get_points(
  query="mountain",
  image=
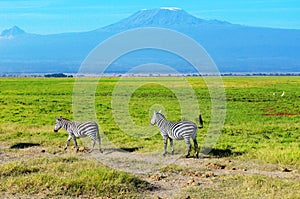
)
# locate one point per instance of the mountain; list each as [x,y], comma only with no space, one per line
[163,17]
[233,47]
[173,18]
[14,31]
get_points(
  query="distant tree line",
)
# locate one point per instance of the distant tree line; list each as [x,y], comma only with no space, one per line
[58,75]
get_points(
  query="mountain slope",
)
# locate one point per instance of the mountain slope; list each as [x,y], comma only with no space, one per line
[15,30]
[234,48]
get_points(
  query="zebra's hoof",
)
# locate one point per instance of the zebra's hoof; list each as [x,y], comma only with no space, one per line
[187,156]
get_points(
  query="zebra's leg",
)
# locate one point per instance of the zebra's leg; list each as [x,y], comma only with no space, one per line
[196,147]
[75,143]
[165,145]
[93,145]
[99,145]
[172,146]
[67,142]
[188,143]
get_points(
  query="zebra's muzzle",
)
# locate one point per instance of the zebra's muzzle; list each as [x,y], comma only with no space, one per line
[55,130]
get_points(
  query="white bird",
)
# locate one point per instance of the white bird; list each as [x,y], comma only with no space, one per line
[282,94]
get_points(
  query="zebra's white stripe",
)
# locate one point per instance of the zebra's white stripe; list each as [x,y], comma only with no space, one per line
[77,129]
[184,130]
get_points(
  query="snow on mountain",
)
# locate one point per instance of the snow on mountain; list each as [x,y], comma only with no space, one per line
[170,8]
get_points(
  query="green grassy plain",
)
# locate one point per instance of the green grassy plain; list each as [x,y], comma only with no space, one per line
[261,125]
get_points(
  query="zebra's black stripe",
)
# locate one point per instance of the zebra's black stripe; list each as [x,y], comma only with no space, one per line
[183,130]
[79,129]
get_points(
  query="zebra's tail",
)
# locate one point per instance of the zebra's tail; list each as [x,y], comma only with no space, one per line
[200,122]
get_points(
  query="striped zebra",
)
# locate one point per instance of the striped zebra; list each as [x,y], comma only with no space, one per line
[78,129]
[183,130]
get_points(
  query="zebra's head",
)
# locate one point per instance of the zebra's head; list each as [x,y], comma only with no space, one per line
[154,117]
[58,124]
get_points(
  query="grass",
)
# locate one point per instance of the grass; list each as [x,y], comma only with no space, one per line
[255,118]
[260,125]
[67,176]
[244,186]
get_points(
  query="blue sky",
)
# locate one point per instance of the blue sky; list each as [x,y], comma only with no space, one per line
[57,16]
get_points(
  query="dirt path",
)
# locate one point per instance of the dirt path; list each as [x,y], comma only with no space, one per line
[202,172]
[170,174]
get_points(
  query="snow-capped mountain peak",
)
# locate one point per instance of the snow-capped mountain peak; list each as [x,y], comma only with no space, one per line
[159,17]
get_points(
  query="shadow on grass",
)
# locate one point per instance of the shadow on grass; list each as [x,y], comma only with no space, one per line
[23,145]
[130,150]
[220,153]
[122,150]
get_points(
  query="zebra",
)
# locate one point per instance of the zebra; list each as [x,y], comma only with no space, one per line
[78,129]
[183,130]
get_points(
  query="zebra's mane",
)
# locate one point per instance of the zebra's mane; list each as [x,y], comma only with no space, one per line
[62,118]
[161,115]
